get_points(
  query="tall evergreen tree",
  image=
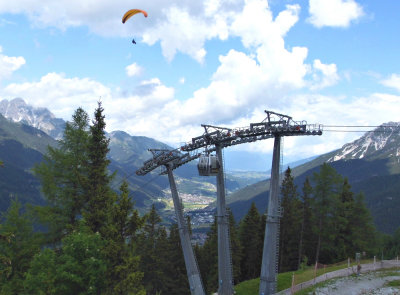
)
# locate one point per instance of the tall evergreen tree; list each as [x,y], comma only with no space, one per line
[123,273]
[207,257]
[250,239]
[148,251]
[325,203]
[306,242]
[290,224]
[176,272]
[18,245]
[99,194]
[236,248]
[63,175]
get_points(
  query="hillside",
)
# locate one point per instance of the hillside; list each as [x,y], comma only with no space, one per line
[25,133]
[371,163]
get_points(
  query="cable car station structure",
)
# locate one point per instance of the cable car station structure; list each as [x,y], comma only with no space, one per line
[214,139]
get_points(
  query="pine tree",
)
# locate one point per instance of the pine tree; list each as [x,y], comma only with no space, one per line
[325,203]
[207,257]
[99,195]
[290,224]
[236,248]
[251,242]
[123,273]
[364,234]
[307,237]
[176,270]
[18,245]
[63,174]
[147,249]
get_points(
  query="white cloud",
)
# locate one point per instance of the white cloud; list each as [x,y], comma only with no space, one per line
[393,81]
[59,94]
[324,75]
[334,13]
[133,70]
[9,64]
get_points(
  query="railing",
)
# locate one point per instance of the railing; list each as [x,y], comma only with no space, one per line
[341,273]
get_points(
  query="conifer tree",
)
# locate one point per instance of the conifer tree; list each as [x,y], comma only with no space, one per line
[236,248]
[325,203]
[147,249]
[290,224]
[18,245]
[207,257]
[123,273]
[63,175]
[99,195]
[251,243]
[176,272]
[306,242]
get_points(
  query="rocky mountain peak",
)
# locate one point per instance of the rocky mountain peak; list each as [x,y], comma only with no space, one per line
[382,142]
[17,110]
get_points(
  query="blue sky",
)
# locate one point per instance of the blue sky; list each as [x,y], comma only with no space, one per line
[222,62]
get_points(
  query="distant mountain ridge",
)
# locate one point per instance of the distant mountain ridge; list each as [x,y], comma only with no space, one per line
[372,165]
[17,110]
[19,127]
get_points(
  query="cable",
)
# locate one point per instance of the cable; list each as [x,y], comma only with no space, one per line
[362,131]
[357,126]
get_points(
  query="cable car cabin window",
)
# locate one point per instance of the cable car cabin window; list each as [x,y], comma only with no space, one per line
[208,165]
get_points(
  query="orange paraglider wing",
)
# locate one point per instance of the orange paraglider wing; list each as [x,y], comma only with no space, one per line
[132,12]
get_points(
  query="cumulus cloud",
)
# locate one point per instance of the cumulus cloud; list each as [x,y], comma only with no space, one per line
[9,64]
[324,75]
[133,70]
[60,94]
[393,81]
[334,13]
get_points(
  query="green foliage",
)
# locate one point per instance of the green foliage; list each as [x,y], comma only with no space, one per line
[123,275]
[290,224]
[18,244]
[99,194]
[207,257]
[325,202]
[77,268]
[63,174]
[252,244]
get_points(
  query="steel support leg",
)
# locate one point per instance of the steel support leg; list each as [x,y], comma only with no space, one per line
[224,249]
[196,286]
[270,251]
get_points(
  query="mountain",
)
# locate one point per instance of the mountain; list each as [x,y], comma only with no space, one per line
[41,118]
[21,147]
[371,164]
[25,130]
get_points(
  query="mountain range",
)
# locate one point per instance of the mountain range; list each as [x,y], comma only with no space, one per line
[371,164]
[26,131]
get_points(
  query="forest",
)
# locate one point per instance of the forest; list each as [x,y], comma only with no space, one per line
[90,239]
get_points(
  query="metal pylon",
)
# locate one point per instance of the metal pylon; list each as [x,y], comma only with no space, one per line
[196,286]
[268,274]
[225,286]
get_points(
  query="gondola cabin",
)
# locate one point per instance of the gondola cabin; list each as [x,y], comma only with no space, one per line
[208,165]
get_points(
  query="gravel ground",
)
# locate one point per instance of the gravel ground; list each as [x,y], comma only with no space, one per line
[367,283]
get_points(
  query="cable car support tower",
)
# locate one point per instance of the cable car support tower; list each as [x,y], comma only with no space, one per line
[170,160]
[214,139]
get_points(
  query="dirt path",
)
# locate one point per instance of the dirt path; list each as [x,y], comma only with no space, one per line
[369,282]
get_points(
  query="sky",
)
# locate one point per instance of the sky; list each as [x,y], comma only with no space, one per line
[217,62]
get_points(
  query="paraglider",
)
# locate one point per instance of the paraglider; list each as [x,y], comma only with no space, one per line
[131,13]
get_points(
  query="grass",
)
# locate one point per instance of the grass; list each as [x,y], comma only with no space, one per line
[285,279]
[395,283]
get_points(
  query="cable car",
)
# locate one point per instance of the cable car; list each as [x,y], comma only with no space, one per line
[208,165]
